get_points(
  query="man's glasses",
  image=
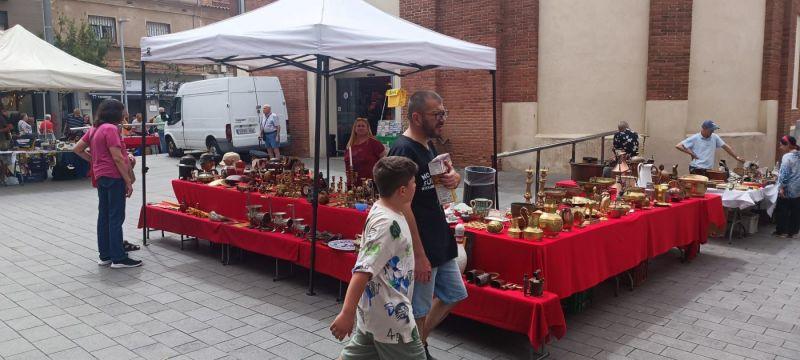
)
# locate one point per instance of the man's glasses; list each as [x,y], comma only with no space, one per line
[440,115]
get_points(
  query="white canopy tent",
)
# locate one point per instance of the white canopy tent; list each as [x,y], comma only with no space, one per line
[30,63]
[326,37]
[349,32]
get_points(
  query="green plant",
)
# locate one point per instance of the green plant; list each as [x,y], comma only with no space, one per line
[79,40]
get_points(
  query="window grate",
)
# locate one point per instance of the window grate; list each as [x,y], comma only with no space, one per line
[155,29]
[104,27]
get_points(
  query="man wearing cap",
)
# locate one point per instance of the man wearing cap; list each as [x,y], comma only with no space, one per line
[702,146]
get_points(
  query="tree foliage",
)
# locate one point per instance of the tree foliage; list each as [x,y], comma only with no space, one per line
[79,40]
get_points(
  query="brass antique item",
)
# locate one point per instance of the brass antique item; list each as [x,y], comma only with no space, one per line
[494,227]
[566,218]
[578,218]
[661,192]
[528,182]
[695,185]
[636,197]
[542,182]
[550,222]
[532,232]
[514,231]
[252,210]
[675,193]
[205,177]
[523,211]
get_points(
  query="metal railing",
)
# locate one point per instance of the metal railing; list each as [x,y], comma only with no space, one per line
[572,142]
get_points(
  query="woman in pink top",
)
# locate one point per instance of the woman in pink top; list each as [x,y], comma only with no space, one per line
[102,147]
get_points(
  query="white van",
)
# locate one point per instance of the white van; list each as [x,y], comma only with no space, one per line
[223,114]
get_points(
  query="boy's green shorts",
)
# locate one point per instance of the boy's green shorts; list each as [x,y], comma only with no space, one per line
[363,346]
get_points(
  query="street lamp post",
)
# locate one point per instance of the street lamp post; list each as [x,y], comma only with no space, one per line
[122,55]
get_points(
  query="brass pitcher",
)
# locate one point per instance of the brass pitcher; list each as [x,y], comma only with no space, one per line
[532,232]
[550,222]
[566,218]
[514,230]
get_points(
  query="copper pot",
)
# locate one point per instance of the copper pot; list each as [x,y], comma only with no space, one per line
[585,171]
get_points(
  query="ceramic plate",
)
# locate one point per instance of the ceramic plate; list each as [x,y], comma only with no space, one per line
[494,218]
[343,245]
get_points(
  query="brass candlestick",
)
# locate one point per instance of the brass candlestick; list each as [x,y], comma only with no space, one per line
[542,182]
[528,183]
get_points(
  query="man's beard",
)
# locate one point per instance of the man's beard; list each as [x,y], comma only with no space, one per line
[430,131]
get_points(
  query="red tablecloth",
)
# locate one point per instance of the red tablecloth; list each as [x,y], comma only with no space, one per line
[537,317]
[570,263]
[567,184]
[134,142]
[230,202]
[578,260]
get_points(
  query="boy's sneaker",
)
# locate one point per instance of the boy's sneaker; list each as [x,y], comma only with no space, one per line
[102,262]
[126,263]
[427,353]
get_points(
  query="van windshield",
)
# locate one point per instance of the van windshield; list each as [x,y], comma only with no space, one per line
[175,112]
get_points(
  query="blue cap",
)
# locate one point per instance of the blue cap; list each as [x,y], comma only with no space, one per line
[708,124]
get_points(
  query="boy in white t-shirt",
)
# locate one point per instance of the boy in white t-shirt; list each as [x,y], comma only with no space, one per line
[380,291]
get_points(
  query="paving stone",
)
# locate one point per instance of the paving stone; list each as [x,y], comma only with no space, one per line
[174,338]
[291,351]
[75,353]
[673,343]
[134,340]
[252,353]
[29,355]
[14,347]
[54,344]
[678,354]
[716,354]
[95,342]
[211,336]
[115,352]
[209,353]
[155,351]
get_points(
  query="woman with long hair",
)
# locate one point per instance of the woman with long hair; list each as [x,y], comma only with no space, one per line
[787,210]
[363,150]
[102,147]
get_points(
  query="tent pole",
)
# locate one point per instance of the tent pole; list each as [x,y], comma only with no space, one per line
[322,63]
[494,137]
[144,158]
[327,124]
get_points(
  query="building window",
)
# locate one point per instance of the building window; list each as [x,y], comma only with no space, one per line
[155,29]
[104,27]
[3,20]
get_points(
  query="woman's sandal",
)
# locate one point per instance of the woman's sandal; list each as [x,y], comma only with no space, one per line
[129,246]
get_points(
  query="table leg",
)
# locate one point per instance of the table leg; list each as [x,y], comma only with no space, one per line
[278,276]
[539,354]
[340,297]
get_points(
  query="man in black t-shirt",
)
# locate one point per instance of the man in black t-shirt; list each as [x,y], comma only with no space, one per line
[435,250]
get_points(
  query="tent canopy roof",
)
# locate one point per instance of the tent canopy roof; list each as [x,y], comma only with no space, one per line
[351,33]
[30,63]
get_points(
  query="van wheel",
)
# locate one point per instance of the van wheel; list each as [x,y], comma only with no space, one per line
[172,149]
[211,143]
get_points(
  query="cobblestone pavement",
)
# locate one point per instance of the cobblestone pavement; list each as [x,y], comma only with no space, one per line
[735,301]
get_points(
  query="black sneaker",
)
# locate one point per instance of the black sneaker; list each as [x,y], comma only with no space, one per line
[427,353]
[126,263]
